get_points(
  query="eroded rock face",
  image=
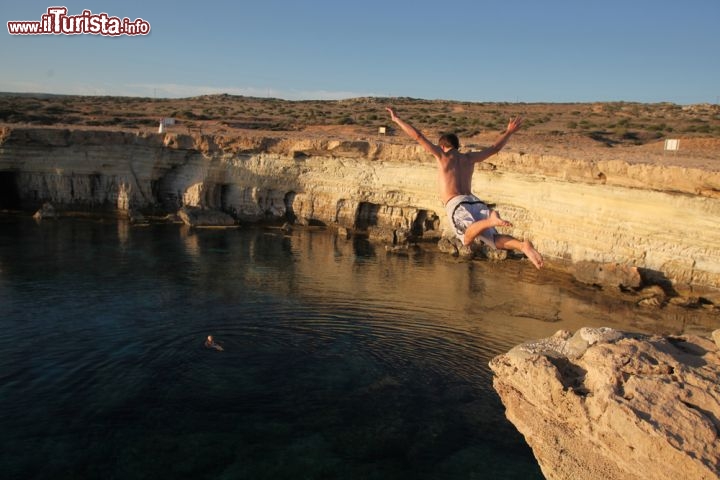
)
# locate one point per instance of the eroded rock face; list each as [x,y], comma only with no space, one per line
[384,188]
[601,404]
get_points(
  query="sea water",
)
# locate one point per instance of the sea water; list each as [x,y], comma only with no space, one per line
[339,360]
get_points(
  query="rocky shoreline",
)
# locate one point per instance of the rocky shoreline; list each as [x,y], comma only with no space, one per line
[656,218]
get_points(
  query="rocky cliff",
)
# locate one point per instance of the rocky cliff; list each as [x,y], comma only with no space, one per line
[661,219]
[601,404]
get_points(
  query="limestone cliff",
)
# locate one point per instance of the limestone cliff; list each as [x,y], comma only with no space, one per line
[601,404]
[659,218]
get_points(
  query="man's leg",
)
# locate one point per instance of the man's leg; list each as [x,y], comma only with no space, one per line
[506,242]
[476,228]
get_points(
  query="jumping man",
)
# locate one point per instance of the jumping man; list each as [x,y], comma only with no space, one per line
[468,215]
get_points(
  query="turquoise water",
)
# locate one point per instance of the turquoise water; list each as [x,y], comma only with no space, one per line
[339,361]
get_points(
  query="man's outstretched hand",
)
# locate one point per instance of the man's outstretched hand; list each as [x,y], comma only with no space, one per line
[514,124]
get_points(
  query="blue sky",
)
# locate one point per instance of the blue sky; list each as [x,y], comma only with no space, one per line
[514,51]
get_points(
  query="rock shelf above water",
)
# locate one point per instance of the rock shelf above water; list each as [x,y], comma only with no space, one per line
[602,404]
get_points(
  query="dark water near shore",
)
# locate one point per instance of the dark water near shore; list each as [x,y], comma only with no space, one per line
[340,361]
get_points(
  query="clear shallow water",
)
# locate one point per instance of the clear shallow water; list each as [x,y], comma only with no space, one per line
[340,361]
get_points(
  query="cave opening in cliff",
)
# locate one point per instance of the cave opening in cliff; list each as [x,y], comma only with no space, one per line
[9,193]
[425,221]
[288,200]
[366,215]
[221,197]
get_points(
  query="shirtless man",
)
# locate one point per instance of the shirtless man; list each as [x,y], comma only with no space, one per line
[470,217]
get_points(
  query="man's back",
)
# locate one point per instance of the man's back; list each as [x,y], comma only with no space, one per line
[455,172]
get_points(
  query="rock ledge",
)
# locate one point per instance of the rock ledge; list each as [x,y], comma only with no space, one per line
[612,405]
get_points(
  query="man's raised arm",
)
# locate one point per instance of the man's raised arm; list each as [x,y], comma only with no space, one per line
[513,126]
[415,134]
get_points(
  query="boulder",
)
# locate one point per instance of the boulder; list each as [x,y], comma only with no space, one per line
[602,404]
[202,217]
[448,245]
[607,274]
[483,251]
[381,234]
[652,296]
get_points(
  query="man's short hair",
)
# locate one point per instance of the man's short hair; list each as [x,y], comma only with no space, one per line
[449,140]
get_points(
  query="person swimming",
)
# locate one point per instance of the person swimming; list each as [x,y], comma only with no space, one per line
[210,343]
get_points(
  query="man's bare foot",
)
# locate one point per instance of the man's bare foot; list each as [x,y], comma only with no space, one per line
[533,255]
[497,221]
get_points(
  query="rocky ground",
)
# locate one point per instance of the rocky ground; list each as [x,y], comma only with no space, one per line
[610,405]
[626,131]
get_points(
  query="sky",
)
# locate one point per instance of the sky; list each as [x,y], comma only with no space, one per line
[479,51]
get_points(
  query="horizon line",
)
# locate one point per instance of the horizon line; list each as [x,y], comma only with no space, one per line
[338,99]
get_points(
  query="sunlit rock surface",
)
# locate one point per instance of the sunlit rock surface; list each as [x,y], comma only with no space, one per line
[601,404]
[202,217]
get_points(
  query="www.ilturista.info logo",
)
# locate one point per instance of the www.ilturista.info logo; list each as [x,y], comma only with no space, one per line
[57,22]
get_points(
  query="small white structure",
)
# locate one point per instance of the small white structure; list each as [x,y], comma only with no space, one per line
[382,130]
[672,144]
[165,122]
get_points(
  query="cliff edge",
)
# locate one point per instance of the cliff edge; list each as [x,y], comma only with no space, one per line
[656,215]
[602,404]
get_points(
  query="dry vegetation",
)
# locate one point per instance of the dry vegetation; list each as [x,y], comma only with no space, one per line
[547,126]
